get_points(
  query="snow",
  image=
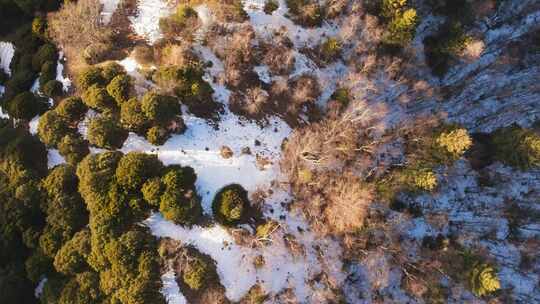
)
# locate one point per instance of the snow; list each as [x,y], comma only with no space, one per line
[33,125]
[54,158]
[146,23]
[108,9]
[199,147]
[66,82]
[264,25]
[39,289]
[170,289]
[235,265]
[7,51]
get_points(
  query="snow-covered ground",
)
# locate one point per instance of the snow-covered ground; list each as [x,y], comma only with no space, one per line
[7,51]
[146,23]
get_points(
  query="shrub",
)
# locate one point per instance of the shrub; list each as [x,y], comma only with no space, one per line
[111,70]
[135,168]
[448,42]
[182,23]
[92,75]
[71,258]
[401,28]
[517,147]
[73,148]
[230,205]
[342,95]
[26,106]
[132,117]
[177,177]
[483,280]
[159,108]
[95,173]
[46,52]
[181,207]
[52,89]
[61,179]
[104,132]
[37,265]
[97,98]
[3,77]
[21,80]
[119,88]
[152,190]
[72,109]
[157,135]
[270,6]
[330,49]
[198,273]
[422,179]
[453,141]
[48,72]
[39,27]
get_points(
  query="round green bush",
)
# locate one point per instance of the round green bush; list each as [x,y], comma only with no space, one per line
[48,72]
[52,128]
[73,148]
[198,273]
[104,132]
[97,98]
[159,108]
[26,105]
[230,205]
[20,81]
[135,168]
[119,88]
[53,88]
[111,70]
[270,6]
[181,207]
[71,108]
[46,52]
[178,177]
[89,77]
[61,179]
[152,190]
[157,135]
[516,146]
[131,116]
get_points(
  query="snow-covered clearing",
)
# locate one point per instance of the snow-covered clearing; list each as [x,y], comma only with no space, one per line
[235,264]
[146,23]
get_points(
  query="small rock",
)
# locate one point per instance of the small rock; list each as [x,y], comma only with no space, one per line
[226,152]
[257,143]
[246,150]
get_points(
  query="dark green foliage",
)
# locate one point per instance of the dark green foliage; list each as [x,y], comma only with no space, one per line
[14,286]
[52,128]
[95,173]
[135,168]
[71,258]
[26,106]
[92,75]
[61,179]
[97,98]
[132,117]
[20,81]
[179,202]
[39,27]
[81,289]
[157,135]
[342,95]
[230,205]
[199,271]
[177,177]
[71,109]
[111,70]
[47,73]
[73,148]
[38,265]
[104,132]
[3,77]
[52,89]
[441,48]
[270,6]
[119,88]
[160,108]
[152,190]
[45,53]
[517,147]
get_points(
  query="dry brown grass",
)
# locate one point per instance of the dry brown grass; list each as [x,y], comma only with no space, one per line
[174,54]
[77,28]
[250,103]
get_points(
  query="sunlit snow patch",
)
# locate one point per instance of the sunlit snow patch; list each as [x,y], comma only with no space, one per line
[200,147]
[7,51]
[146,23]
[170,289]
